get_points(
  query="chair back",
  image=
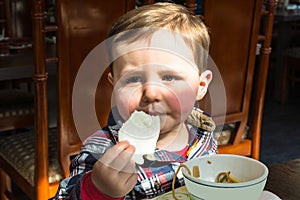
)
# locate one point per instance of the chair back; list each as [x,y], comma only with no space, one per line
[82,26]
[236,28]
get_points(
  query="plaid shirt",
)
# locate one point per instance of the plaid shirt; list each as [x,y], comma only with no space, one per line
[154,179]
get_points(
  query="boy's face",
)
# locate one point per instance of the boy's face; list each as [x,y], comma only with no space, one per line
[158,83]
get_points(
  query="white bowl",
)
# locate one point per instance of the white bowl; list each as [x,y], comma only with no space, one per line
[252,174]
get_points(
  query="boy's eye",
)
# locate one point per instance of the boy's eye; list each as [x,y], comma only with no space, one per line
[134,79]
[169,78]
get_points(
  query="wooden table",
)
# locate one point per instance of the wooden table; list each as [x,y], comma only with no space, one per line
[20,65]
[284,180]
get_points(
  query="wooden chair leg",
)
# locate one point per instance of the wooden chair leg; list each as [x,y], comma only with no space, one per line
[5,182]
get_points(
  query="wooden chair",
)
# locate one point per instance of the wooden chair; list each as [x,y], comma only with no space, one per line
[16,106]
[37,160]
[235,28]
[18,24]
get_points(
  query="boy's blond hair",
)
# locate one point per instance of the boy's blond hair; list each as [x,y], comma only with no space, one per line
[173,17]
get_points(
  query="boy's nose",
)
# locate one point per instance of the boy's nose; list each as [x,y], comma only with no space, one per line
[151,92]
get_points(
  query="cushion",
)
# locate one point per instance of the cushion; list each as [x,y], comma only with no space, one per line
[223,134]
[18,150]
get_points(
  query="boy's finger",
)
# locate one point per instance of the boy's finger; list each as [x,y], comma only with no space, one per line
[130,167]
[114,152]
[120,152]
[131,180]
[124,159]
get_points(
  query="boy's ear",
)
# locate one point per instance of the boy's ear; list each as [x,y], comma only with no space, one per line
[110,78]
[205,79]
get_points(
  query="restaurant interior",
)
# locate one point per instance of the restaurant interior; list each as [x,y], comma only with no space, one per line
[254,44]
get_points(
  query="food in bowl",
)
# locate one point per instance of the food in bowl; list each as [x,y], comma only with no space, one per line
[226,177]
[252,175]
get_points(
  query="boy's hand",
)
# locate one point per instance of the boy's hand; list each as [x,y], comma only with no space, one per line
[115,173]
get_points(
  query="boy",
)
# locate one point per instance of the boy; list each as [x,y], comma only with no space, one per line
[158,52]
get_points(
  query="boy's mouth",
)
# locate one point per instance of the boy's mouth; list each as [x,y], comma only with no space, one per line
[153,113]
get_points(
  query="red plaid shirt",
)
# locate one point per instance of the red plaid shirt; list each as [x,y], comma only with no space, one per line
[153,180]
